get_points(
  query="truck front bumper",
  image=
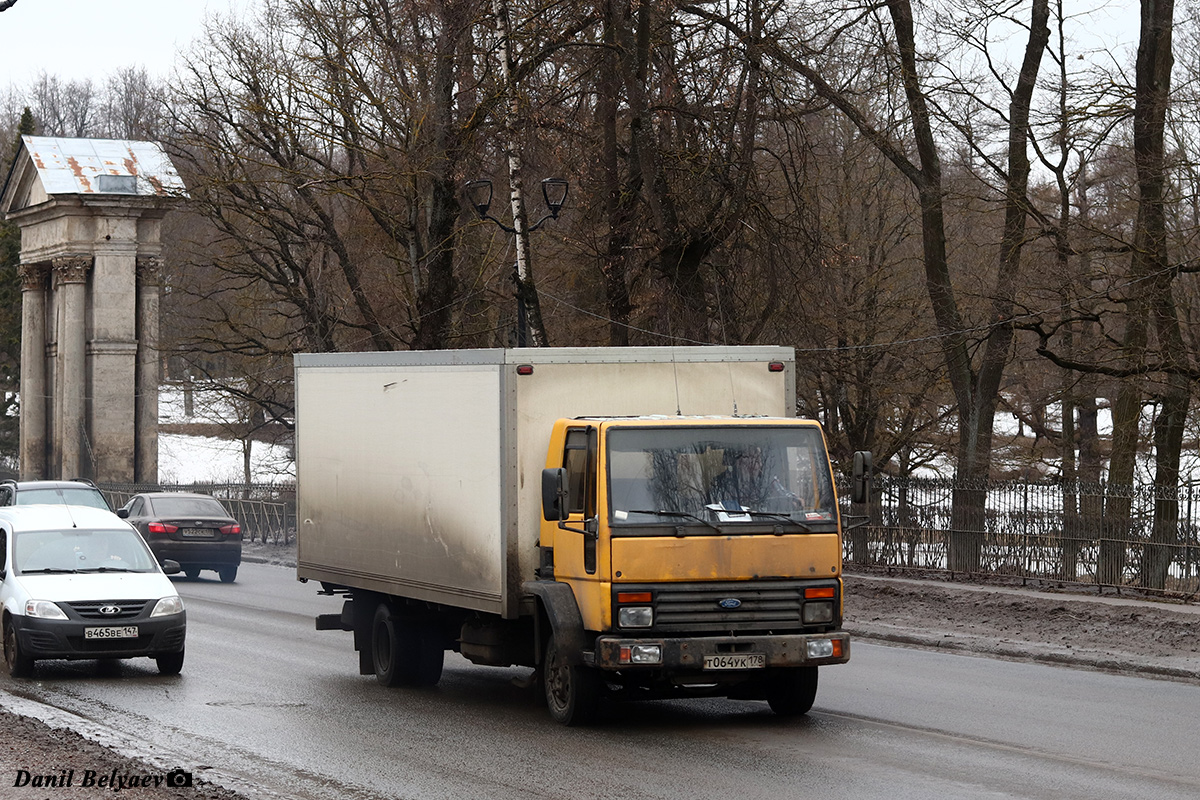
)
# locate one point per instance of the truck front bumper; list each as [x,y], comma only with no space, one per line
[720,653]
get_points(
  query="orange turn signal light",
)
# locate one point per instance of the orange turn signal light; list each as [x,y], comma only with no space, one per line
[837,648]
[633,597]
[820,591]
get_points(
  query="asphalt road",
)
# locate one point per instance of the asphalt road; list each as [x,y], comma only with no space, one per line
[271,707]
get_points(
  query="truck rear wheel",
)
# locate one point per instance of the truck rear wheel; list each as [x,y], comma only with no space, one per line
[404,652]
[791,691]
[572,691]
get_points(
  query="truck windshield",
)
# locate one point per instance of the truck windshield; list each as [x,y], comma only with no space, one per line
[719,475]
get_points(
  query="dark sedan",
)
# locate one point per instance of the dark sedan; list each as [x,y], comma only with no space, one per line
[193,529]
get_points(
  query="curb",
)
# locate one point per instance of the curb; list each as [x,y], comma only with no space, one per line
[1031,652]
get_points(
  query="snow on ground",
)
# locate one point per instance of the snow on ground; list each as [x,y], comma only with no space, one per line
[209,459]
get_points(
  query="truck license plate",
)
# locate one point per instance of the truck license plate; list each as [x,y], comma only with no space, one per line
[735,661]
[126,632]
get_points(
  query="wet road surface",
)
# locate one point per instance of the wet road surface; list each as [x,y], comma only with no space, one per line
[275,708]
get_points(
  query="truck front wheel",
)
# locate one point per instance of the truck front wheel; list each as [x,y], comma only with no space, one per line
[404,653]
[791,691]
[572,691]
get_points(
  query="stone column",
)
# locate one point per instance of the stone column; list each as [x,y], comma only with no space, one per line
[34,392]
[70,274]
[149,281]
[112,347]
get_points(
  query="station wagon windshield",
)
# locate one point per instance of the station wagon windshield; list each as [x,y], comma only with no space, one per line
[77,550]
[719,475]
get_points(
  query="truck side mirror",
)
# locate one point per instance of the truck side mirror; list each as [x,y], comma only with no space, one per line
[860,482]
[554,492]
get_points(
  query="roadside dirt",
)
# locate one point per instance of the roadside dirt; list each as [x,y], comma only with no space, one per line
[1113,633]
[1091,631]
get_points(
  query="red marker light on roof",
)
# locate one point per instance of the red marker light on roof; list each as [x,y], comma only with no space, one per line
[775,366]
[525,369]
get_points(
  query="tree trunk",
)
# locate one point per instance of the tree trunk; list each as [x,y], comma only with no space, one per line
[1150,281]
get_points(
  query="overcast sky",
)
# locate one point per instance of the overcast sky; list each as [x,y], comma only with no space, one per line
[77,39]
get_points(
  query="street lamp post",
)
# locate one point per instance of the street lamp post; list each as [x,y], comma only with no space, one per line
[554,193]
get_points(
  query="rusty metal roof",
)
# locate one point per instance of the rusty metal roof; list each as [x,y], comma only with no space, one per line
[102,166]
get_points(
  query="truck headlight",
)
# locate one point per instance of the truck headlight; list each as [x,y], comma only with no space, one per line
[817,612]
[641,654]
[635,617]
[820,648]
[167,606]
[43,609]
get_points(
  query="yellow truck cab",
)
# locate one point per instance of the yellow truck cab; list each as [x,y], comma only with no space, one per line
[704,555]
[630,522]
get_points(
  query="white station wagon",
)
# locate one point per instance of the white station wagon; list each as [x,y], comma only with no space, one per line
[78,582]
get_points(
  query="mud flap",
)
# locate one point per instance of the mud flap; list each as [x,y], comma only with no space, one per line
[566,623]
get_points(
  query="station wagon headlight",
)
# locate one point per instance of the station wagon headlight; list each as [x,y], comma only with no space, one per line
[43,609]
[167,606]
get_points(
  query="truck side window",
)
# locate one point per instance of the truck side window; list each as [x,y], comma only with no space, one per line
[575,462]
[579,460]
[3,549]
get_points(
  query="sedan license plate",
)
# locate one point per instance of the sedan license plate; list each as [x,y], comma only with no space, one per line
[735,661]
[126,632]
[196,533]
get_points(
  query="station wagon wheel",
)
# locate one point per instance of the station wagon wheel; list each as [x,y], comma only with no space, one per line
[791,691]
[192,572]
[169,664]
[228,574]
[19,664]
[572,691]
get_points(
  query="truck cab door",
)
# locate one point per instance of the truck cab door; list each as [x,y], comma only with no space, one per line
[575,537]
[579,462]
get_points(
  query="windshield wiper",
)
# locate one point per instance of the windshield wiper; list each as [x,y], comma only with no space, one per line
[107,569]
[48,571]
[685,514]
[779,515]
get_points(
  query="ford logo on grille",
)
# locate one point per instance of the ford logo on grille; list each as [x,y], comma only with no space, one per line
[730,602]
[110,610]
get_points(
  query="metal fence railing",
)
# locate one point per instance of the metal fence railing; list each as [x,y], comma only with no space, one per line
[267,512]
[1091,534]
[1047,531]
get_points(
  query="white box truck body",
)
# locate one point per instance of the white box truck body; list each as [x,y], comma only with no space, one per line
[427,495]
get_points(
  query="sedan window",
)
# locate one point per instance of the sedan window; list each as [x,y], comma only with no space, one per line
[187,507]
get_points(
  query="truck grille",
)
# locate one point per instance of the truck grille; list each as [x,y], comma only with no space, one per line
[749,605]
